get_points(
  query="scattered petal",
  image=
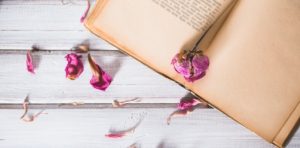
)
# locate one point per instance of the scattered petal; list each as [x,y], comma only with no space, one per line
[74,66]
[29,62]
[177,113]
[120,134]
[25,106]
[185,106]
[26,116]
[82,48]
[100,79]
[188,103]
[31,118]
[191,65]
[85,12]
[117,103]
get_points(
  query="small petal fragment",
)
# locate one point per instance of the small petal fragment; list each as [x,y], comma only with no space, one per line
[85,12]
[29,62]
[186,104]
[100,79]
[74,66]
[117,103]
[26,117]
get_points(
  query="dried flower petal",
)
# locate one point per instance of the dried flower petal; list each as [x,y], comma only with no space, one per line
[85,12]
[82,48]
[25,106]
[100,79]
[28,117]
[117,103]
[176,114]
[120,134]
[29,62]
[187,103]
[74,67]
[185,106]
[191,66]
[31,118]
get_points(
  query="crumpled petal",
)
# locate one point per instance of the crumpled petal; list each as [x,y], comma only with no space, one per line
[85,12]
[26,117]
[100,79]
[74,66]
[191,66]
[29,62]
[182,66]
[186,104]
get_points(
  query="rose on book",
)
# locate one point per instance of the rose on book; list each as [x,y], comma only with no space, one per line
[192,65]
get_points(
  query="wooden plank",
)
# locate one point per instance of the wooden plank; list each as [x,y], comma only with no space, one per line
[49,85]
[52,24]
[87,127]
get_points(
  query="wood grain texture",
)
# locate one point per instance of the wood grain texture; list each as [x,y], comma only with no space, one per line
[49,84]
[87,127]
[52,24]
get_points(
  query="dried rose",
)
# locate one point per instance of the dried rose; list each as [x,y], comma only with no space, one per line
[86,11]
[29,62]
[100,79]
[191,65]
[74,67]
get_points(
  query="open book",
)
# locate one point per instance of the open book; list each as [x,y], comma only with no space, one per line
[253,47]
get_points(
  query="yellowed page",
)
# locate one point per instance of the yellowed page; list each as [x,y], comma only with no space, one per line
[254,71]
[150,27]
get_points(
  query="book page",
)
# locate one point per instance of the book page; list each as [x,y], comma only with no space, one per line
[199,14]
[149,28]
[253,75]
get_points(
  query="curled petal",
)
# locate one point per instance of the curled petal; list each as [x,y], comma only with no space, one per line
[82,48]
[182,66]
[28,117]
[74,66]
[29,62]
[117,103]
[100,79]
[85,12]
[176,114]
[200,64]
[186,104]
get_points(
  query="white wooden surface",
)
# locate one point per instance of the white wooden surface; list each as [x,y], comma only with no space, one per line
[54,26]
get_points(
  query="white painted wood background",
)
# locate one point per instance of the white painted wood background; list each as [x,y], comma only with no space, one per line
[54,26]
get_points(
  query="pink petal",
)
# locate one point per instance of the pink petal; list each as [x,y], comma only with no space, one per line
[74,66]
[100,79]
[115,135]
[85,12]
[117,103]
[29,62]
[187,103]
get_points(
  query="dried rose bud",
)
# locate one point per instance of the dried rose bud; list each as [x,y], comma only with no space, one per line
[186,104]
[100,79]
[29,62]
[74,67]
[191,66]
